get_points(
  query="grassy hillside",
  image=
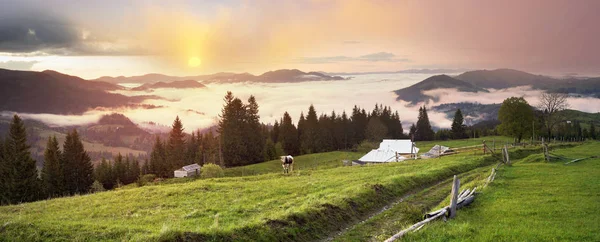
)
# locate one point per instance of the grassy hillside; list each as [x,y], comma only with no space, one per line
[301,163]
[532,201]
[305,205]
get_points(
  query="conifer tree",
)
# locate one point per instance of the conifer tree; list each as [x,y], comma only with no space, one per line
[593,134]
[104,174]
[52,172]
[359,124]
[231,130]
[78,170]
[176,146]
[424,131]
[289,136]
[309,138]
[458,128]
[412,131]
[252,134]
[301,129]
[275,132]
[21,183]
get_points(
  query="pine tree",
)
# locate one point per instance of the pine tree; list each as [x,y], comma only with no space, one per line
[78,169]
[103,174]
[412,131]
[158,160]
[21,181]
[289,136]
[376,130]
[52,172]
[176,146]
[310,132]
[359,124]
[458,128]
[301,130]
[231,130]
[275,132]
[252,134]
[424,131]
[593,133]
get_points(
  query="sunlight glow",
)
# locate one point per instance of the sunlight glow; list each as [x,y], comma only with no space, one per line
[194,62]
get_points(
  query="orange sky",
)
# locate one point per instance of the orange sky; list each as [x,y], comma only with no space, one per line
[96,38]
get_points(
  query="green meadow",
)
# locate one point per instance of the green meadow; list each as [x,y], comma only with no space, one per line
[532,200]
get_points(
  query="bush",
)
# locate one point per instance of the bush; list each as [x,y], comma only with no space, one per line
[97,187]
[366,146]
[145,179]
[211,171]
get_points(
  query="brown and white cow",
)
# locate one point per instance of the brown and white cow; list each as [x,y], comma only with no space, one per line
[287,162]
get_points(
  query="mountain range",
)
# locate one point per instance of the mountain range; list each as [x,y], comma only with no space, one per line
[277,76]
[482,80]
[57,93]
[174,84]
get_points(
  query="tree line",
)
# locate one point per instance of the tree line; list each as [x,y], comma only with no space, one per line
[65,172]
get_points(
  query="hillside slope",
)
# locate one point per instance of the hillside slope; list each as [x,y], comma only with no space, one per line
[414,94]
[56,93]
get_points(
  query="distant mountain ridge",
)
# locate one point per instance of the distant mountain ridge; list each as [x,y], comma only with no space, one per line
[277,76]
[414,94]
[482,80]
[57,93]
[173,84]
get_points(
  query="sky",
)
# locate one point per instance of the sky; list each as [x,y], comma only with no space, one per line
[113,38]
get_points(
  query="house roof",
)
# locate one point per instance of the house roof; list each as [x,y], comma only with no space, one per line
[191,167]
[381,156]
[402,146]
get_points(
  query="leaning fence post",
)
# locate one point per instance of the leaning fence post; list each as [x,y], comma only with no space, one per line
[454,196]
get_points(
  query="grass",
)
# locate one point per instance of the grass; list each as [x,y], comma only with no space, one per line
[306,205]
[532,201]
[425,146]
[301,163]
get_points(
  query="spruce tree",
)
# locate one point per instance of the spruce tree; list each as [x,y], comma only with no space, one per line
[158,160]
[252,134]
[458,128]
[176,146]
[310,137]
[21,181]
[289,136]
[275,133]
[231,131]
[103,174]
[412,131]
[52,172]
[424,131]
[78,170]
[301,129]
[593,134]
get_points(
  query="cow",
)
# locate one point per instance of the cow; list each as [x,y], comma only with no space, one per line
[287,162]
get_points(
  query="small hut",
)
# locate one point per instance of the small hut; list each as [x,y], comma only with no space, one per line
[391,150]
[187,171]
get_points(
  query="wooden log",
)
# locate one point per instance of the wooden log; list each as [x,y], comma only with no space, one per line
[454,196]
[414,226]
[576,160]
[436,212]
[468,200]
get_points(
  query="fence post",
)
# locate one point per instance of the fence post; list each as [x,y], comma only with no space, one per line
[454,196]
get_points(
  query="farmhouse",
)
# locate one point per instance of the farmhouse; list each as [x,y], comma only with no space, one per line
[391,150]
[187,171]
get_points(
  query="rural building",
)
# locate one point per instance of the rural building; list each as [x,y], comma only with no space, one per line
[189,170]
[437,151]
[391,150]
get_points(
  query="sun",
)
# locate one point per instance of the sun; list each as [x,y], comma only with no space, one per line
[194,61]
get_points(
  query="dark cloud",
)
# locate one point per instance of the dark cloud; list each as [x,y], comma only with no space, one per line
[35,33]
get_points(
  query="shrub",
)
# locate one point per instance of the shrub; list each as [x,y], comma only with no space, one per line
[211,170]
[145,179]
[97,187]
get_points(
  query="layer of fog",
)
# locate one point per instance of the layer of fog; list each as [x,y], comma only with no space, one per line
[199,108]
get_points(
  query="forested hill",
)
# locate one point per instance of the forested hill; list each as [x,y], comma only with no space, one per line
[173,84]
[53,92]
[277,76]
[414,94]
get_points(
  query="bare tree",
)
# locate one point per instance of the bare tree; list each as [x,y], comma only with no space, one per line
[551,104]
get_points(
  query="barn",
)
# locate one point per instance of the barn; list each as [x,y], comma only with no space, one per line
[187,171]
[391,150]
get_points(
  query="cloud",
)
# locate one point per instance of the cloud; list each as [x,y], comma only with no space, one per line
[374,57]
[17,65]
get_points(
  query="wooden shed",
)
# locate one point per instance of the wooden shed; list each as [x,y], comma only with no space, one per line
[187,171]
